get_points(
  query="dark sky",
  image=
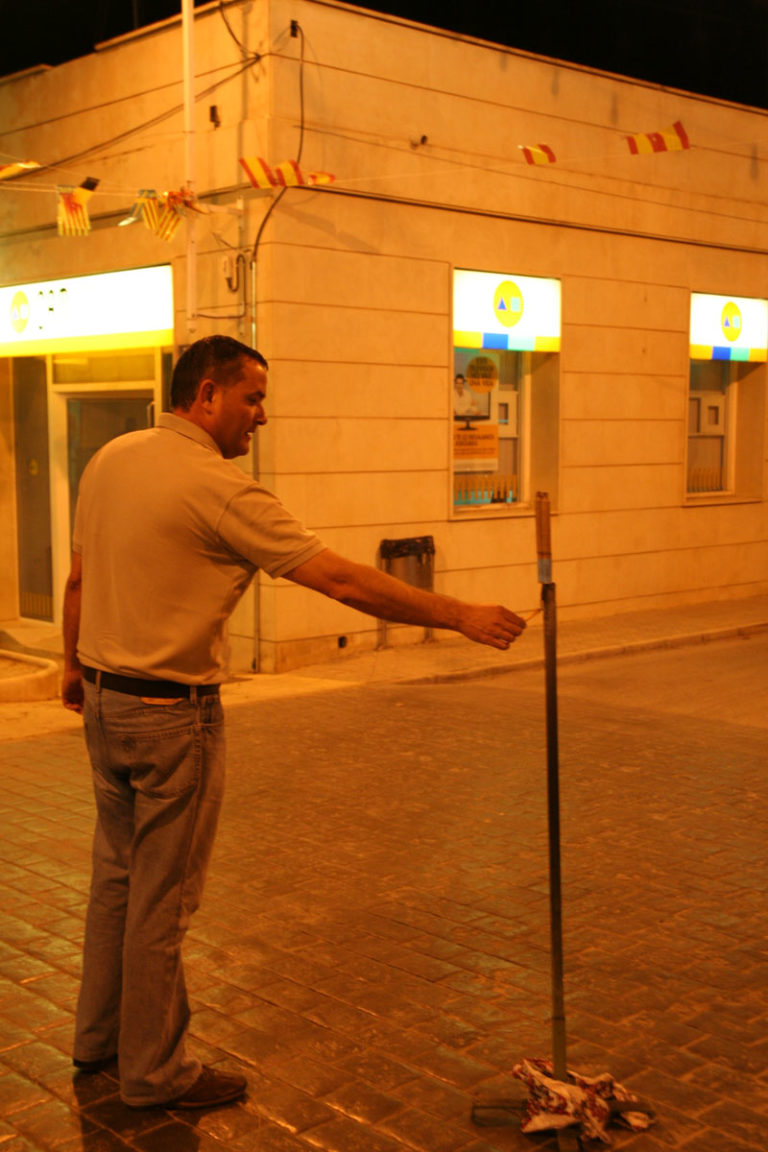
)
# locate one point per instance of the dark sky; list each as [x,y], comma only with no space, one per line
[716,47]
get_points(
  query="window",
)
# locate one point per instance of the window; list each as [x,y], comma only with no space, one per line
[709,421]
[726,397]
[505,390]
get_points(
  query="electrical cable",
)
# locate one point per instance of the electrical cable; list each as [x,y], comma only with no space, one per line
[254,57]
[294,25]
[95,149]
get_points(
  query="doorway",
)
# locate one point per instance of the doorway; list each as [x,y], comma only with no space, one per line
[94,420]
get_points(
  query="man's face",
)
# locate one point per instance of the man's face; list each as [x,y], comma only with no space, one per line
[238,409]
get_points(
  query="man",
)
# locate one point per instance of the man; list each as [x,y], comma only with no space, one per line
[168,534]
[464,402]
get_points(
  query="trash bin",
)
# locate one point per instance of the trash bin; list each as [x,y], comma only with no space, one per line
[412,560]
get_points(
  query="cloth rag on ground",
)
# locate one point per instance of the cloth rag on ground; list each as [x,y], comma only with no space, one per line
[590,1102]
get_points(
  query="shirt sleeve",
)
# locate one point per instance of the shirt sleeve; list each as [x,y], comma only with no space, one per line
[256,526]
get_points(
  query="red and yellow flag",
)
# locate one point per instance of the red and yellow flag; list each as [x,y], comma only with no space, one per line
[672,139]
[72,216]
[537,153]
[7,171]
[287,174]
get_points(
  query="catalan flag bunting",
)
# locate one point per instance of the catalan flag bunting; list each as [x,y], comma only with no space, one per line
[163,212]
[537,153]
[18,168]
[287,174]
[672,139]
[72,217]
[258,172]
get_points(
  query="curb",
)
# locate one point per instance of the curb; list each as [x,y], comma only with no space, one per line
[39,680]
[683,640]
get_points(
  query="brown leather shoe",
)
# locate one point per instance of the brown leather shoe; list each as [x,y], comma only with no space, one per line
[211,1089]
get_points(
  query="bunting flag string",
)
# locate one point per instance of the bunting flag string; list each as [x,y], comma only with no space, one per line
[672,139]
[72,215]
[7,171]
[162,212]
[287,174]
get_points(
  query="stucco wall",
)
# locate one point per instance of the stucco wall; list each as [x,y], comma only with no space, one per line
[353,285]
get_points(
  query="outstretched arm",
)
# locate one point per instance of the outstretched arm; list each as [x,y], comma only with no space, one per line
[72,680]
[378,594]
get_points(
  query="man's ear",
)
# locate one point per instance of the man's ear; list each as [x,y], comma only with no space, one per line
[206,391]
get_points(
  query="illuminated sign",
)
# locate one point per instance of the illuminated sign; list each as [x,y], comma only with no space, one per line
[728,328]
[133,309]
[520,313]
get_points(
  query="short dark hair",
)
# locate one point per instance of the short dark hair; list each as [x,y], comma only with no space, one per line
[218,357]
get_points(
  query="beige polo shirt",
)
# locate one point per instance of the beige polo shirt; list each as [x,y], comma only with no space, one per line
[171,535]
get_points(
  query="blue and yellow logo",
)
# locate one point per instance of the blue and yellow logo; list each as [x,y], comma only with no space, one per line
[508,303]
[19,311]
[730,321]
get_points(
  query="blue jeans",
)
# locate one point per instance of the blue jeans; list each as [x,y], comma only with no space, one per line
[158,774]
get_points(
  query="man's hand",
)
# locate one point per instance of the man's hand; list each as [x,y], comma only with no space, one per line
[490,624]
[72,690]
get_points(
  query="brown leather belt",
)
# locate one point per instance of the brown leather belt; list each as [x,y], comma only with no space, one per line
[157,689]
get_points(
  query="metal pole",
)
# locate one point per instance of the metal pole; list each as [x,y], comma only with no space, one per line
[544,553]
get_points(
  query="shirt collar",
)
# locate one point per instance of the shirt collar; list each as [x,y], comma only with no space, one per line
[189,429]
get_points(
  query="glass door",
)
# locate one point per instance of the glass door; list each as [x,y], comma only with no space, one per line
[94,397]
[94,420]
[33,489]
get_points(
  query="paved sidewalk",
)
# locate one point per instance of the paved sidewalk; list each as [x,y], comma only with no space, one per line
[372,949]
[444,659]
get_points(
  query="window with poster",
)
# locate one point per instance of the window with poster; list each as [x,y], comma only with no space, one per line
[726,397]
[506,343]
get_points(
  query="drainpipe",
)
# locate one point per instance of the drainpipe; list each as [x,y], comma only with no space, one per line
[188,39]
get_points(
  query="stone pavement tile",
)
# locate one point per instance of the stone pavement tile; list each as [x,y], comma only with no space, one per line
[503,1050]
[50,1124]
[17,1093]
[310,1076]
[175,1136]
[212,1027]
[385,1003]
[376,1068]
[716,1140]
[223,997]
[12,1035]
[287,1106]
[436,1098]
[345,1135]
[289,994]
[514,1141]
[424,1132]
[750,1061]
[739,1122]
[452,1032]
[452,1067]
[641,1053]
[79,1090]
[347,1020]
[362,1102]
[716,1082]
[34,1059]
[128,1123]
[33,1011]
[267,1137]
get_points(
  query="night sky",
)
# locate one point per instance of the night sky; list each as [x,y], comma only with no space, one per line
[715,47]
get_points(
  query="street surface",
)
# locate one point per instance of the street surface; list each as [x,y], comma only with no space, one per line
[373,945]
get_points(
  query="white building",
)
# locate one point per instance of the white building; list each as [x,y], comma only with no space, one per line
[607,309]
